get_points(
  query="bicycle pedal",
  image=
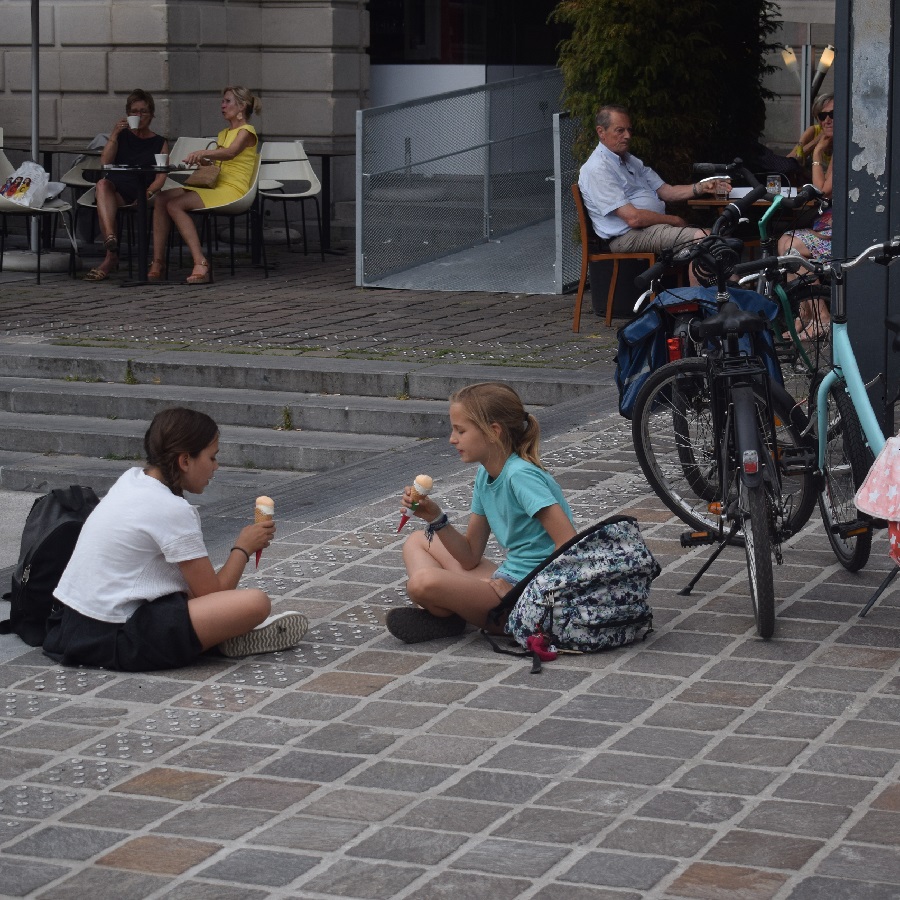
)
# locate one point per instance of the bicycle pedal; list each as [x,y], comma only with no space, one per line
[698,538]
[797,460]
[851,529]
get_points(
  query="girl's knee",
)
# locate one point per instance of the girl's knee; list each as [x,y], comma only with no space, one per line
[421,584]
[259,602]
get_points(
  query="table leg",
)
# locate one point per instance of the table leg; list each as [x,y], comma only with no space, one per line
[325,236]
[142,234]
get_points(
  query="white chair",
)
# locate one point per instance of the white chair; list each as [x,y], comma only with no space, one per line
[286,163]
[245,204]
[52,207]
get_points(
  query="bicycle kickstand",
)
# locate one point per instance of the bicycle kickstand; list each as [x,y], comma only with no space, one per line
[686,590]
[881,589]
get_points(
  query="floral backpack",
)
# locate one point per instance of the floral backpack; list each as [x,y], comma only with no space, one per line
[590,595]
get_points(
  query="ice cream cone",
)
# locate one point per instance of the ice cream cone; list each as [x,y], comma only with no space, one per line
[264,511]
[421,488]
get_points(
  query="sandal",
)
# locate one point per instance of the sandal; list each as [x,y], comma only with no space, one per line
[199,279]
[96,275]
[111,244]
[157,270]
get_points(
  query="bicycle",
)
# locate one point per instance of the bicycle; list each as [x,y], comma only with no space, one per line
[720,443]
[779,279]
[847,431]
[776,279]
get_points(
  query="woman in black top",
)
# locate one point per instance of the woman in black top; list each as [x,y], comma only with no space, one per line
[131,147]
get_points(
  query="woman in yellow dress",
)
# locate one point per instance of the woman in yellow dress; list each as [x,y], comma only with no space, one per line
[236,157]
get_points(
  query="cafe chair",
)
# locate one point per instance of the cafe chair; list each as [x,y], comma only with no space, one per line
[245,204]
[178,151]
[51,207]
[287,176]
[595,249]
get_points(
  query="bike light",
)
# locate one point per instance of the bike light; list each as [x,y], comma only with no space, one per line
[715,508]
[750,462]
[675,348]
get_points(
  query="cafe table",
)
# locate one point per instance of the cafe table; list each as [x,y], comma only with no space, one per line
[142,219]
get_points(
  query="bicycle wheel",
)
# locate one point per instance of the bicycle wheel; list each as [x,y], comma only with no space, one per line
[676,446]
[847,461]
[801,362]
[755,508]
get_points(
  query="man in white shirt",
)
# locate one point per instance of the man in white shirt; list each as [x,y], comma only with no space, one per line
[626,200]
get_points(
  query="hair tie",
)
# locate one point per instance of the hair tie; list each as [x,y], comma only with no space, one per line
[526,423]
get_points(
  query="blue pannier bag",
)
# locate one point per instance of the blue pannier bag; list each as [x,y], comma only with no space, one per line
[642,341]
[642,348]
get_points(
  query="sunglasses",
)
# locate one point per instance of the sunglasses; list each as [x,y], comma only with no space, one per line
[826,114]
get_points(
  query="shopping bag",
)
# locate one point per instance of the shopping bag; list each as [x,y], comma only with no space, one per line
[27,186]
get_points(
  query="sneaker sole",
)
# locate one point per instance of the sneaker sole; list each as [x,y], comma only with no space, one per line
[281,634]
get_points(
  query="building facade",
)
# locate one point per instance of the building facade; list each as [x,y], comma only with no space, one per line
[312,62]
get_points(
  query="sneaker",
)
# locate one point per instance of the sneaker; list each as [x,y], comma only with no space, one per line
[278,632]
[413,625]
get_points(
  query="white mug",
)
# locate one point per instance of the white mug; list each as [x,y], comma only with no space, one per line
[162,159]
[134,122]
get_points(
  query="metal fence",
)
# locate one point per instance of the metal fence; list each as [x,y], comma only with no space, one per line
[567,267]
[461,170]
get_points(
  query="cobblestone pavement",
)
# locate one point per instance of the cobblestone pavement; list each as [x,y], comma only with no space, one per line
[307,307]
[701,763]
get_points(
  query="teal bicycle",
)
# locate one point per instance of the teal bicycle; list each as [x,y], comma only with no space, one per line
[847,430]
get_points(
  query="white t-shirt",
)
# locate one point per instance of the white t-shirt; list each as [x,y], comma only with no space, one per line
[129,549]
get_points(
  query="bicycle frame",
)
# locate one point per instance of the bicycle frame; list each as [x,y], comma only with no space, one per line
[845,368]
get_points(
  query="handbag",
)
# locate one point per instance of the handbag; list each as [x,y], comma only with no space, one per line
[205,176]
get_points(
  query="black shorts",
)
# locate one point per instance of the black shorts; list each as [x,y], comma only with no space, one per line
[159,635]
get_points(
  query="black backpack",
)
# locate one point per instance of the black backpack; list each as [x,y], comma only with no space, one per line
[51,531]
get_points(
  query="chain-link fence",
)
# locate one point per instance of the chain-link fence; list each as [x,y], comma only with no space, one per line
[449,173]
[565,174]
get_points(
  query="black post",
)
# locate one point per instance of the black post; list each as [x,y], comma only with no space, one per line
[866,172]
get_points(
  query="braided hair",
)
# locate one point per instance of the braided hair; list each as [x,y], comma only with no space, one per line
[173,432]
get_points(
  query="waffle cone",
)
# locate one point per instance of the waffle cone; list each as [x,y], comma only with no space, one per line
[261,516]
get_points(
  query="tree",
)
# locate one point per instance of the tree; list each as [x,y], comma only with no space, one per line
[690,73]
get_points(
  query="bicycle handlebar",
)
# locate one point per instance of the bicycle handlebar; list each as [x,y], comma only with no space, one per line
[793,262]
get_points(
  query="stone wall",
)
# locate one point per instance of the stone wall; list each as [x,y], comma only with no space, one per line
[306,59]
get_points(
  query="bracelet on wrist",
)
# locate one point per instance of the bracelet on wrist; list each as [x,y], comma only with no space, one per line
[442,521]
[695,191]
[815,162]
[242,550]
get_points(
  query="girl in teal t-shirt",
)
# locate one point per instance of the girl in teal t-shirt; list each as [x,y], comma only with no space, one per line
[450,580]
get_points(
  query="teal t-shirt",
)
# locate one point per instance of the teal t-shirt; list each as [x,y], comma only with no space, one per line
[510,502]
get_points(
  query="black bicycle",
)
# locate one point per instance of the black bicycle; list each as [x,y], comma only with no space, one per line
[719,441]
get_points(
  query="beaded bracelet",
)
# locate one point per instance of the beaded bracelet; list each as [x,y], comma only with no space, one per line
[442,521]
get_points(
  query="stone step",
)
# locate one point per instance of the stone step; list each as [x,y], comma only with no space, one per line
[242,447]
[295,374]
[228,406]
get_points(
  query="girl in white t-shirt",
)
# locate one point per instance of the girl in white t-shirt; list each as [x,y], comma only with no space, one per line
[450,579]
[140,592]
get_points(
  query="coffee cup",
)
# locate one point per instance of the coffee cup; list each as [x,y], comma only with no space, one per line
[134,122]
[162,159]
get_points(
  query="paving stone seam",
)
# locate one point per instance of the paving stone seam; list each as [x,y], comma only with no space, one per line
[594,678]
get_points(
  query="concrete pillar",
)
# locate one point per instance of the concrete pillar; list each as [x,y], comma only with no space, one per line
[867,204]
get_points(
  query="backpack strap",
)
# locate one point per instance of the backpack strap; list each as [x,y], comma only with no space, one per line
[536,664]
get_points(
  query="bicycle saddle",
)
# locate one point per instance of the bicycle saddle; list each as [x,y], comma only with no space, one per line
[730,319]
